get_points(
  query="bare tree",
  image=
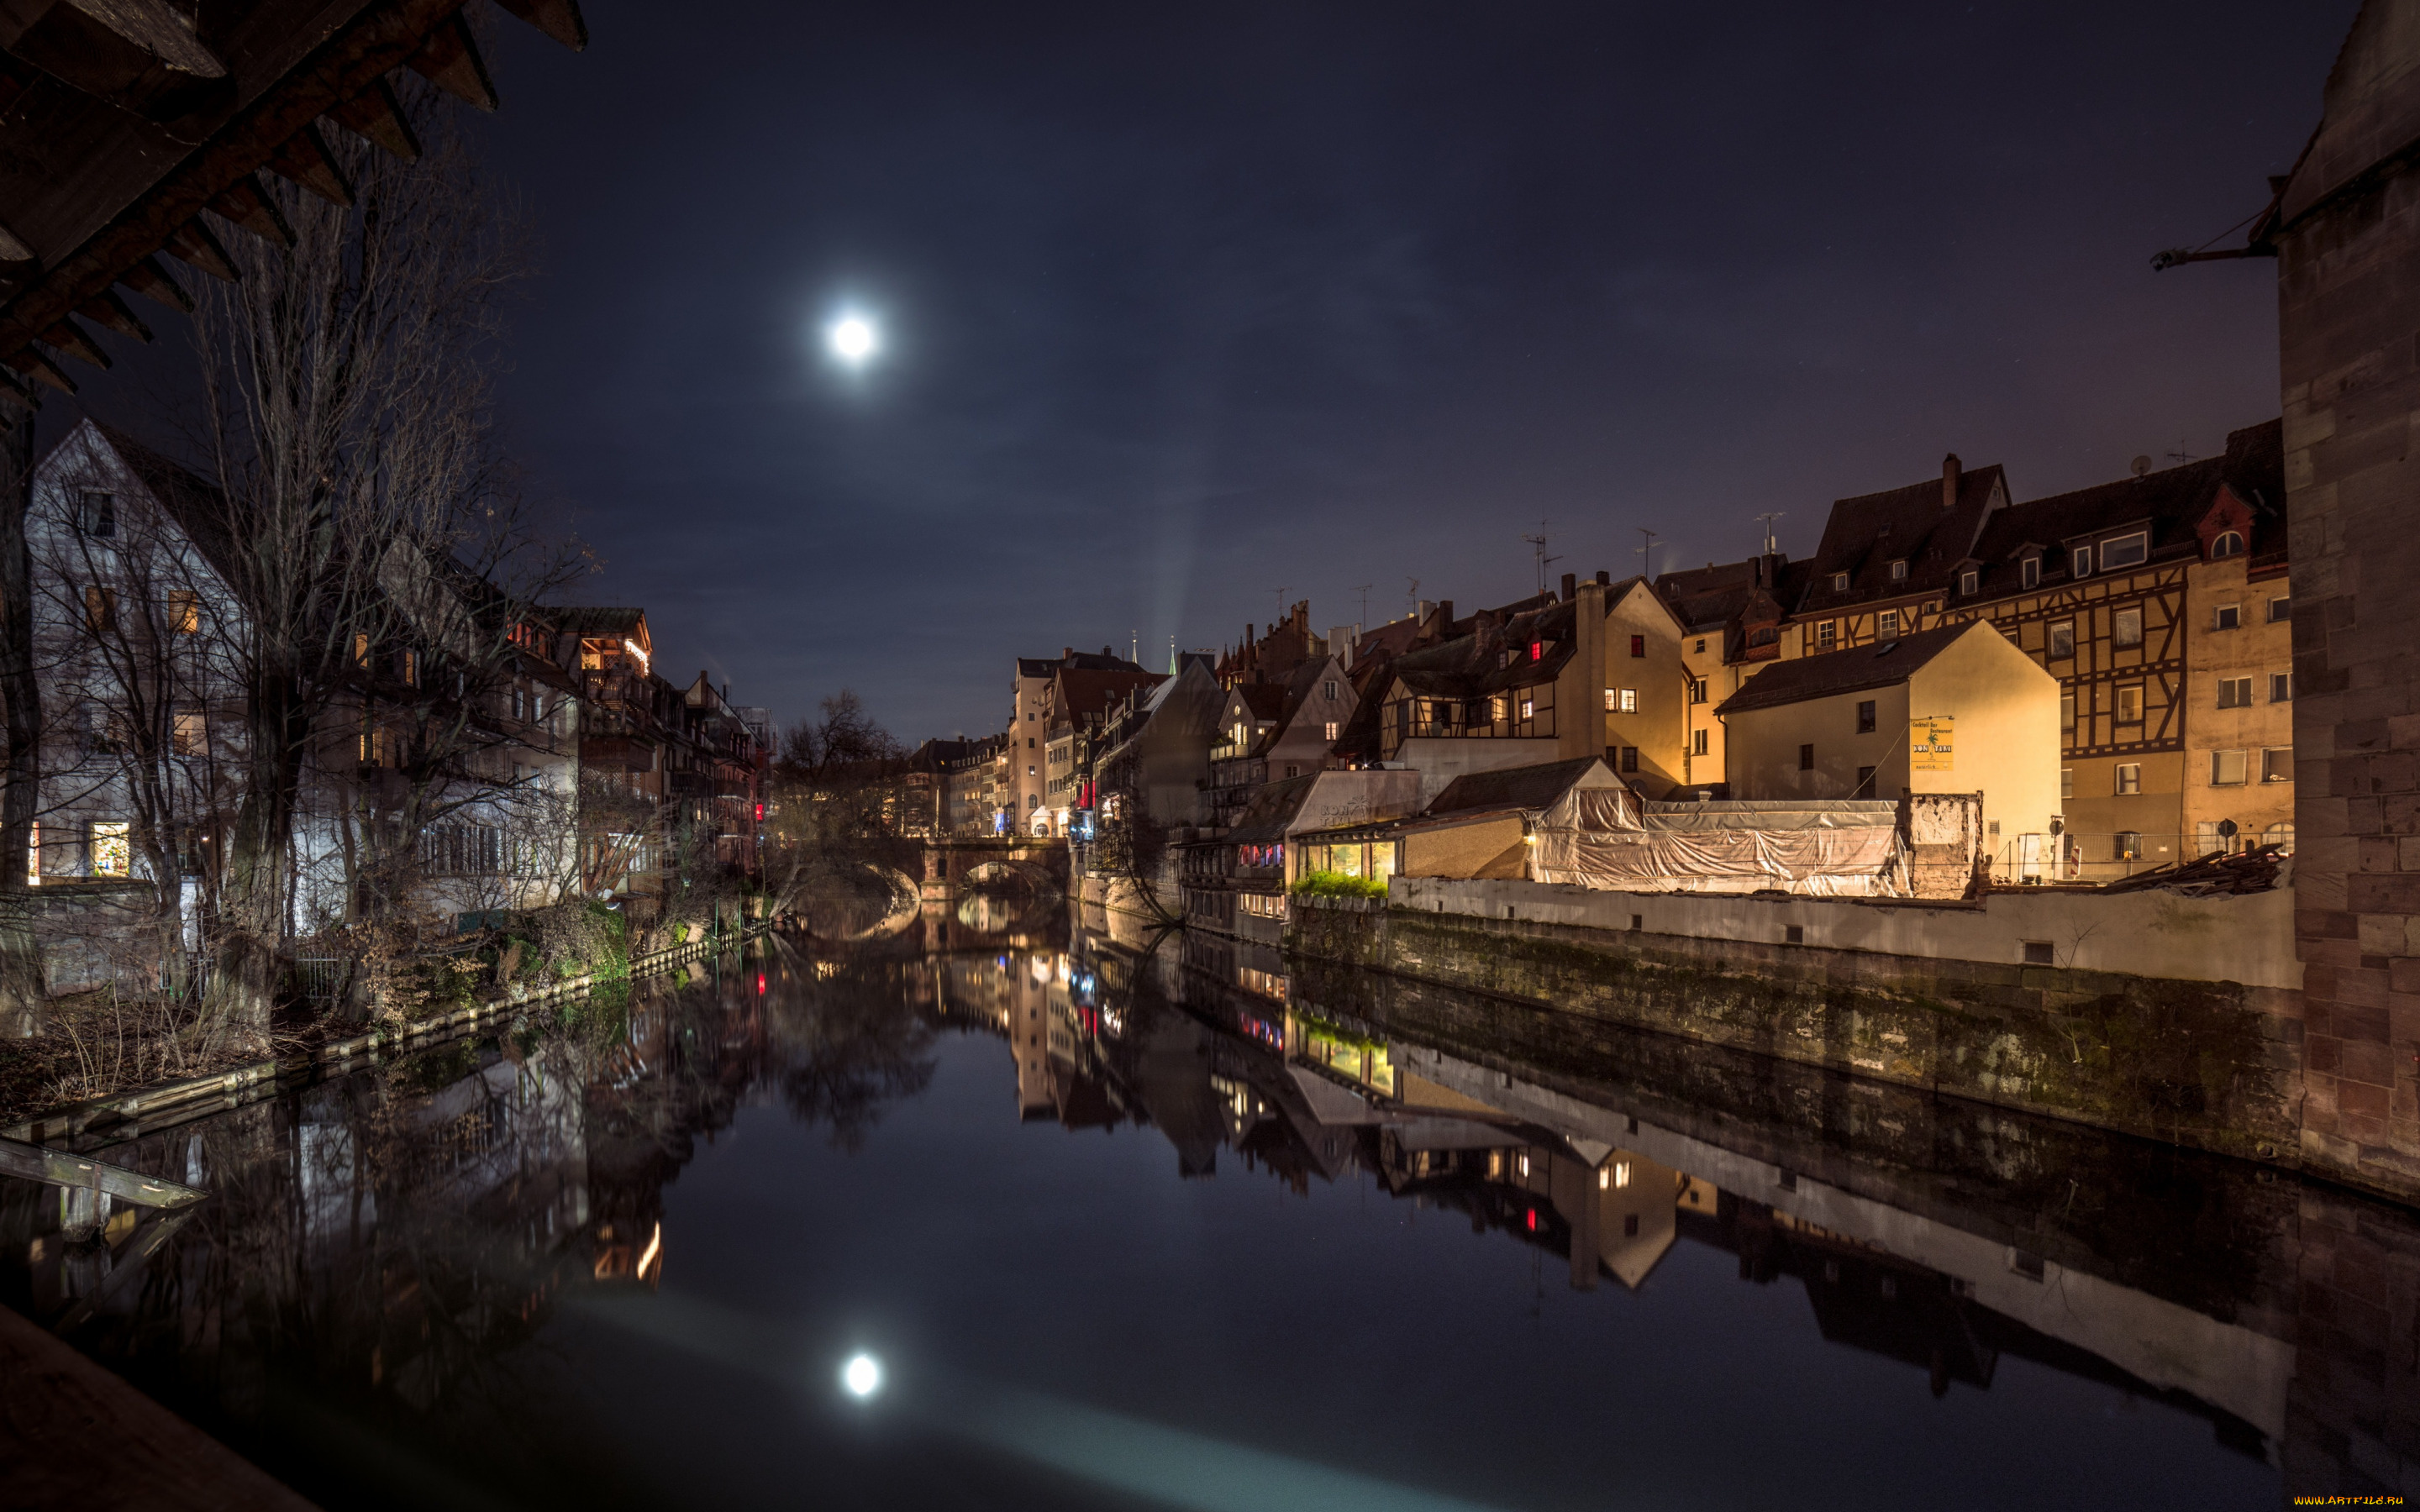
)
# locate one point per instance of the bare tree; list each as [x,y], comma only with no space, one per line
[346,403]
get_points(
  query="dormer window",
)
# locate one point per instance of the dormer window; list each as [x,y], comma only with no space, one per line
[2228,544]
[1898,571]
[2029,573]
[1967,582]
[2080,561]
[1839,582]
[2125,551]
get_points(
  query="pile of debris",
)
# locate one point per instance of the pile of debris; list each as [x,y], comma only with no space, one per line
[2213,875]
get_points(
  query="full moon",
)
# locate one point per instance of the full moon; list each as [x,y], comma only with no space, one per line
[853,340]
[862,1376]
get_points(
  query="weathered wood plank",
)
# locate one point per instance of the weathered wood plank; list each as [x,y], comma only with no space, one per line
[57,1168]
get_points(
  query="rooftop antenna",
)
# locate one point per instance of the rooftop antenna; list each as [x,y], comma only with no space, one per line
[2181,456]
[1364,591]
[1646,552]
[1280,614]
[1538,545]
[1412,595]
[1770,544]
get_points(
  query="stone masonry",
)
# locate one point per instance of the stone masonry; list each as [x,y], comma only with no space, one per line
[2346,230]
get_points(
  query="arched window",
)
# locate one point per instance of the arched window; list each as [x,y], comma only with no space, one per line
[2228,544]
[2278,834]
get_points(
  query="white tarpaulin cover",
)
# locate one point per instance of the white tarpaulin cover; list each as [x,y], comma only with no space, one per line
[1839,849]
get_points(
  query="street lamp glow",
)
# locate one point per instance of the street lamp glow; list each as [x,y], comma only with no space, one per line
[853,340]
[862,1377]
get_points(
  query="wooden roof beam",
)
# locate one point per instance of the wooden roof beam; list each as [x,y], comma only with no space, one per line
[559,18]
[451,61]
[152,281]
[377,117]
[29,360]
[305,160]
[71,338]
[246,203]
[109,312]
[194,244]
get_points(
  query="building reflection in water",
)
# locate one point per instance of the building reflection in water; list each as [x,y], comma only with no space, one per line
[383,1236]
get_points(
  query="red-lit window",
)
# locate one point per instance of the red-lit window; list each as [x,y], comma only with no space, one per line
[1638,645]
[1537,651]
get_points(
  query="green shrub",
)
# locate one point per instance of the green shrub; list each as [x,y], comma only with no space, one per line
[1339,885]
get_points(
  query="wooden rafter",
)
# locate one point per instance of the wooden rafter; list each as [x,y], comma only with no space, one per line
[71,339]
[246,203]
[29,360]
[305,160]
[153,282]
[559,18]
[377,117]
[107,309]
[450,60]
[197,246]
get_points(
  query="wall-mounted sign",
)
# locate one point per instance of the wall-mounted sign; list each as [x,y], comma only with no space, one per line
[1932,744]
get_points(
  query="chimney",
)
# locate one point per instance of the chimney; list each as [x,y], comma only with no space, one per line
[1248,636]
[1067,653]
[1445,614]
[1107,654]
[1571,585]
[1949,481]
[1603,576]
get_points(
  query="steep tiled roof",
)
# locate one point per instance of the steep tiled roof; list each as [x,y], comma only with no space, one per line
[1272,808]
[1845,671]
[1076,692]
[1864,535]
[2170,504]
[1515,787]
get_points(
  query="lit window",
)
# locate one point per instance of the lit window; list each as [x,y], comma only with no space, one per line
[100,609]
[1529,708]
[184,612]
[2228,544]
[2229,768]
[2129,704]
[2126,628]
[1888,621]
[1334,731]
[1827,635]
[1638,645]
[190,735]
[112,854]
[1537,651]
[2130,779]
[2062,640]
[1626,701]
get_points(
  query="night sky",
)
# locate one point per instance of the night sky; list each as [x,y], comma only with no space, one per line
[1184,304]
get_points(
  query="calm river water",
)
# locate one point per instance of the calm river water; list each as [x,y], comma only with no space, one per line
[1168,1224]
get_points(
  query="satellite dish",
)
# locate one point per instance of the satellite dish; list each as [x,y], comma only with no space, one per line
[2142,464]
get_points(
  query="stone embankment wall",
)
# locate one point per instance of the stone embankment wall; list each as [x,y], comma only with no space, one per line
[1885,993]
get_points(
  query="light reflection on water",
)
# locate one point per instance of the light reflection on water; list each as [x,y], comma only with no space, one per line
[1216,1230]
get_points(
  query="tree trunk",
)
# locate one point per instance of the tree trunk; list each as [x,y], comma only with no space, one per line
[244,981]
[23,991]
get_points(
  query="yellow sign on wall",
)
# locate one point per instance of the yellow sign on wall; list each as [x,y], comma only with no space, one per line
[1932,744]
